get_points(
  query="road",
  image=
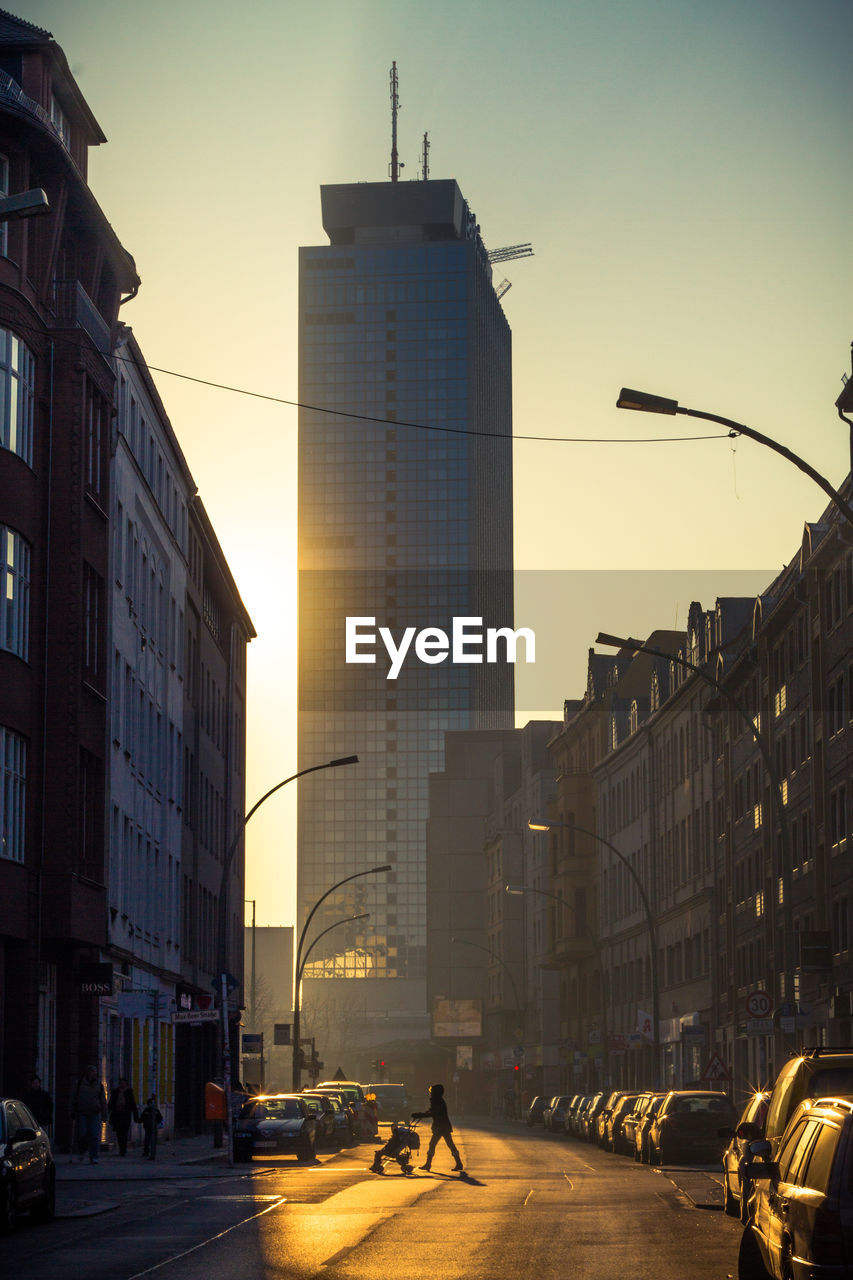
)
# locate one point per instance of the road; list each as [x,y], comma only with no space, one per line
[532,1205]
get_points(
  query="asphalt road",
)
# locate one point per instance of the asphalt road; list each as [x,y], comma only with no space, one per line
[531,1205]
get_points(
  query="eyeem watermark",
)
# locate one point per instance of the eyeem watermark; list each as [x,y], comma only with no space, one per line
[466,643]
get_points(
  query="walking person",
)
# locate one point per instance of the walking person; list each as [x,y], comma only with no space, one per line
[441,1126]
[151,1119]
[40,1103]
[89,1112]
[122,1109]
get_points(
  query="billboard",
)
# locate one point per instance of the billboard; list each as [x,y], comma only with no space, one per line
[457,1018]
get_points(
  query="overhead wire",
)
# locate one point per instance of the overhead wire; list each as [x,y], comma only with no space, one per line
[391,422]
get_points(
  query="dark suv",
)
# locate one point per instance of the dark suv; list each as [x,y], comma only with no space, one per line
[815,1073]
[802,1206]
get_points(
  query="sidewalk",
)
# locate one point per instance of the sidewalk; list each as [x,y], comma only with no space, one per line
[177,1158]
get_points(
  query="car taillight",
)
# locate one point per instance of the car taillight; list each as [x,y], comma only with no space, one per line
[827,1239]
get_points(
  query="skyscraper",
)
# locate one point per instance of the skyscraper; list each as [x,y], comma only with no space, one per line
[405,519]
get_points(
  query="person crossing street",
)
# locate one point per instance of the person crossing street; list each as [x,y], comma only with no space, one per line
[441,1127]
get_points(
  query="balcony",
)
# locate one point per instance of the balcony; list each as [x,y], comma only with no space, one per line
[73,307]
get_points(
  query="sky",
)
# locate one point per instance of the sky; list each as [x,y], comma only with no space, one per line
[682,169]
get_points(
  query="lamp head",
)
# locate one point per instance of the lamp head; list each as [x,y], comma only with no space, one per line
[539,824]
[514,890]
[334,764]
[645,402]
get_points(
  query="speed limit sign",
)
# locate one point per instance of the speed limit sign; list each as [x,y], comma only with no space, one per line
[758,1004]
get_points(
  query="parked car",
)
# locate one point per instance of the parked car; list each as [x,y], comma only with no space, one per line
[275,1123]
[555,1114]
[344,1116]
[802,1219]
[641,1128]
[749,1127]
[352,1092]
[589,1118]
[604,1115]
[571,1120]
[392,1100]
[27,1170]
[687,1127]
[321,1106]
[814,1073]
[614,1139]
[533,1114]
[629,1124]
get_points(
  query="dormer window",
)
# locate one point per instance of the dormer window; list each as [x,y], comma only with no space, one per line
[60,121]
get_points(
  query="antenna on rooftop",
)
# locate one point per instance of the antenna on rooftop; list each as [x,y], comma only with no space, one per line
[425,160]
[396,166]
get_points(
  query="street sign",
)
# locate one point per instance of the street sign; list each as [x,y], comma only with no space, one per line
[281,1033]
[759,1026]
[253,1043]
[518,1051]
[758,1004]
[194,1017]
[716,1069]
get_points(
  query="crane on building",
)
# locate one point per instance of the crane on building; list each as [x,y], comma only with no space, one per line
[509,252]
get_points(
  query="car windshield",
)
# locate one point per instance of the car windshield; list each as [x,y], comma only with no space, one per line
[272,1109]
[700,1105]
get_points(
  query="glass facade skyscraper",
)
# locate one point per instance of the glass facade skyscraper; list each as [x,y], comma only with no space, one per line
[405,519]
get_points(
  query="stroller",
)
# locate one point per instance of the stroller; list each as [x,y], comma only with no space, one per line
[403,1141]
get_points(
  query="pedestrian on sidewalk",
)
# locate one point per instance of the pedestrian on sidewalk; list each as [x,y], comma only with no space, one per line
[152,1120]
[122,1109]
[441,1126]
[40,1103]
[89,1112]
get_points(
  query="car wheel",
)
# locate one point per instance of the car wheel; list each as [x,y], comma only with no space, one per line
[750,1264]
[731,1206]
[307,1149]
[45,1210]
[9,1215]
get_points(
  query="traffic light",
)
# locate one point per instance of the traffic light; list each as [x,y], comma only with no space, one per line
[516,1068]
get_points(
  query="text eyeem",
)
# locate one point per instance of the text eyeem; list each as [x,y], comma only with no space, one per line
[467,642]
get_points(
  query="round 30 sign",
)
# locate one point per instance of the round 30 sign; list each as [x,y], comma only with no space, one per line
[758,1004]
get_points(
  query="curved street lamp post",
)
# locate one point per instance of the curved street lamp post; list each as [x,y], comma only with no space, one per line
[647,403]
[300,962]
[546,824]
[337,923]
[224,980]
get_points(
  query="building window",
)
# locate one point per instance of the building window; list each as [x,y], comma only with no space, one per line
[13,757]
[96,435]
[93,627]
[14,593]
[60,122]
[91,818]
[17,376]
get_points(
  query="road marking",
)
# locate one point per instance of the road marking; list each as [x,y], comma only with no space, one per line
[219,1236]
[568,1179]
[527,1197]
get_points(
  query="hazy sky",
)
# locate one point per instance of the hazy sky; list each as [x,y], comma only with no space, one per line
[683,171]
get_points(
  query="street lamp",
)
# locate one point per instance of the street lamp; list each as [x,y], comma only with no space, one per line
[300,963]
[621,642]
[336,924]
[646,403]
[222,922]
[546,824]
